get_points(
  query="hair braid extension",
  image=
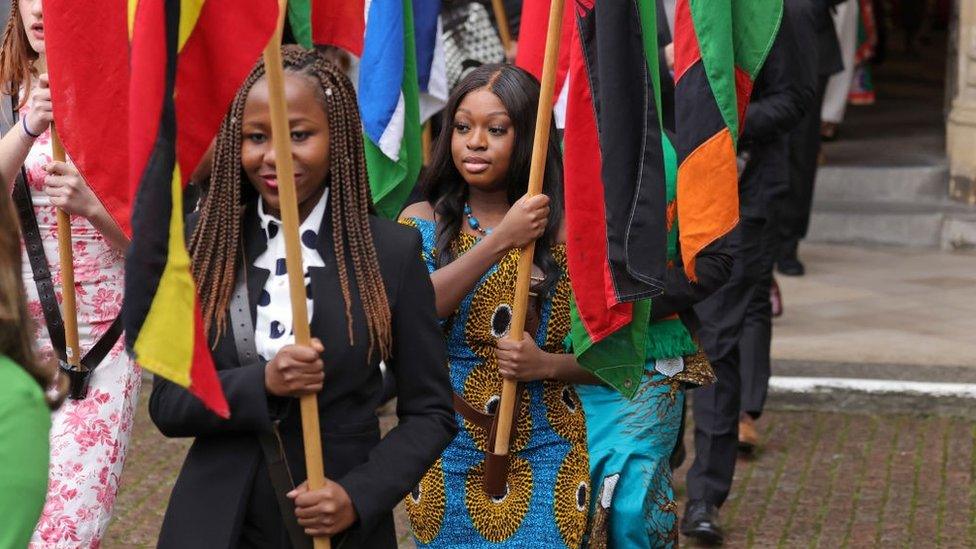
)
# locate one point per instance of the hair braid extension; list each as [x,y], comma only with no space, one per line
[217,242]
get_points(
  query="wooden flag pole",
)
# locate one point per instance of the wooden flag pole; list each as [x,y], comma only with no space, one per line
[540,148]
[285,173]
[426,141]
[502,19]
[69,310]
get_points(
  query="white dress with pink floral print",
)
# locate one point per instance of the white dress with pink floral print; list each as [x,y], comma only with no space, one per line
[88,437]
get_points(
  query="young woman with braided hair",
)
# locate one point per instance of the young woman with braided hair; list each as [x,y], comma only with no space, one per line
[369,299]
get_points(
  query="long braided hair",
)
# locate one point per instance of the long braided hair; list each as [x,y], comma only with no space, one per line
[216,243]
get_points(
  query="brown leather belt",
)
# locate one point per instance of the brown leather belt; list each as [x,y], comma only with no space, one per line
[496,465]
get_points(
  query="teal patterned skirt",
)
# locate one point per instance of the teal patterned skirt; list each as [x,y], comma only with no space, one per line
[630,444]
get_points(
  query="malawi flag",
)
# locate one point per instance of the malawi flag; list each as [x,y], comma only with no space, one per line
[87,43]
[188,58]
[389,103]
[615,180]
[719,47]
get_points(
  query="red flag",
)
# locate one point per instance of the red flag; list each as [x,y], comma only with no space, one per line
[532,40]
[339,23]
[87,44]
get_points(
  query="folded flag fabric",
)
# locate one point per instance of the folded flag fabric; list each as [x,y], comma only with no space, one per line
[532,48]
[614,184]
[402,80]
[333,22]
[188,58]
[86,45]
[719,48]
[389,104]
[431,66]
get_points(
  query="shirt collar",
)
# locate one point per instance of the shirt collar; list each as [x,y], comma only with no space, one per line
[270,224]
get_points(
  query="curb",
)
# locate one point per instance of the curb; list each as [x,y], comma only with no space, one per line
[873,388]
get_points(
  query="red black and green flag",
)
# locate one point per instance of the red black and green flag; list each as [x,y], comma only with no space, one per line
[188,58]
[623,211]
[614,183]
[719,47]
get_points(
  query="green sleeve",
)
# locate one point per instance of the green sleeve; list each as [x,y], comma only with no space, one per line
[25,425]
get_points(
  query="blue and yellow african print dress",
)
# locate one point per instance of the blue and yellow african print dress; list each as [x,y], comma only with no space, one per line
[548,486]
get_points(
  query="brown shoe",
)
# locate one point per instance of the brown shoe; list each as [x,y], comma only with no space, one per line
[775,300]
[748,437]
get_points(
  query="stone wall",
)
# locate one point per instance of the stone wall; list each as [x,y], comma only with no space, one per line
[961,126]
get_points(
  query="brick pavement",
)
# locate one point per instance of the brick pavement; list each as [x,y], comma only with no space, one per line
[820,480]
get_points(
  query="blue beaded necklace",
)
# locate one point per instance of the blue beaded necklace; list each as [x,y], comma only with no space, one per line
[473,221]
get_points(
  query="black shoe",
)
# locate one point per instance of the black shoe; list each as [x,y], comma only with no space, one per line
[790,266]
[700,523]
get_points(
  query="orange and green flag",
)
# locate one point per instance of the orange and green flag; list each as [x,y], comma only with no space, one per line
[719,48]
[632,194]
[187,60]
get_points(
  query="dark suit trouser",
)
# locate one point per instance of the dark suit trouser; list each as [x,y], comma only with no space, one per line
[263,527]
[716,406]
[757,329]
[804,146]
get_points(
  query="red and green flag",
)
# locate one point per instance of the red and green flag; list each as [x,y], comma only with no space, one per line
[719,48]
[188,58]
[614,185]
[328,22]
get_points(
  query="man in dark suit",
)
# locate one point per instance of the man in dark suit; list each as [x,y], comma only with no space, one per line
[227,494]
[781,96]
[804,140]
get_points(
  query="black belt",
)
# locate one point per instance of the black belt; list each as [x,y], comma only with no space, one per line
[271,446]
[31,233]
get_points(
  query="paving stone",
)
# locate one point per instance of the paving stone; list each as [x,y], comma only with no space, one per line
[818,480]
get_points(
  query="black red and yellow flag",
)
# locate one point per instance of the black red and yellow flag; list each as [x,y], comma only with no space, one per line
[188,59]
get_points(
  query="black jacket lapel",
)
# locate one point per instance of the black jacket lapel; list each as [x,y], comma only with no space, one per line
[255,244]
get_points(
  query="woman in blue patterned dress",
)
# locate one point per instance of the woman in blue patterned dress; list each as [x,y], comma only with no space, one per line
[473,224]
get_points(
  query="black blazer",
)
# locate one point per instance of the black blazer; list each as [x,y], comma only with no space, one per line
[211,496]
[829,59]
[784,91]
